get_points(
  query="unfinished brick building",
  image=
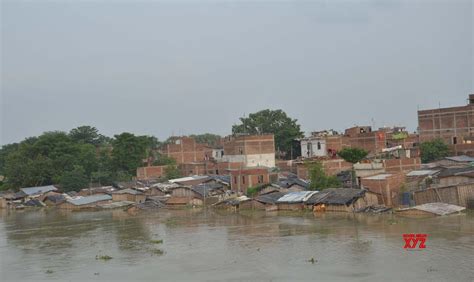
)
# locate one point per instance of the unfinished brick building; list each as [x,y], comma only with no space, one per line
[186,150]
[387,186]
[454,125]
[242,179]
[250,150]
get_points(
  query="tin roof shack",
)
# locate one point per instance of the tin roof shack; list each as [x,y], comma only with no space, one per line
[268,201]
[455,161]
[37,191]
[210,193]
[387,186]
[96,190]
[128,195]
[292,183]
[190,180]
[242,179]
[430,209]
[10,199]
[454,176]
[184,196]
[294,201]
[53,199]
[232,203]
[456,195]
[88,202]
[419,179]
[342,200]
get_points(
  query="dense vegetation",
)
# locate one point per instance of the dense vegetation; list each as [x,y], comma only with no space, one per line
[433,150]
[319,179]
[285,130]
[352,155]
[75,159]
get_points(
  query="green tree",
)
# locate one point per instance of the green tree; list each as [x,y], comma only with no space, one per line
[172,172]
[319,179]
[161,159]
[4,152]
[352,155]
[75,179]
[433,150]
[85,134]
[207,138]
[284,128]
[128,152]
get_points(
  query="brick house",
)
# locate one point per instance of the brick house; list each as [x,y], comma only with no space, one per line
[386,185]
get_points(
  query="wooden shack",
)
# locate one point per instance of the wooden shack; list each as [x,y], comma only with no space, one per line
[87,202]
[342,200]
[129,195]
[456,195]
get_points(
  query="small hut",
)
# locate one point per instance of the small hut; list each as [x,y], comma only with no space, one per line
[294,200]
[129,195]
[342,200]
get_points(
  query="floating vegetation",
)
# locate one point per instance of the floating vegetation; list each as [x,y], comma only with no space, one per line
[103,257]
[157,252]
[156,241]
[49,271]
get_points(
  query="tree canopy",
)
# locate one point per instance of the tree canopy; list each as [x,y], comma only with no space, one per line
[319,179]
[353,155]
[284,128]
[433,150]
[207,138]
[73,159]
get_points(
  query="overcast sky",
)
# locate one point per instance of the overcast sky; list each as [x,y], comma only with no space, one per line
[183,67]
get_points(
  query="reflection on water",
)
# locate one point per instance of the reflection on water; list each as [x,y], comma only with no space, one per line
[219,245]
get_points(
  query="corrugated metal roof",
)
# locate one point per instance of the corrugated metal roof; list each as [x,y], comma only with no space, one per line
[462,158]
[188,178]
[128,191]
[89,199]
[379,176]
[336,196]
[438,208]
[422,172]
[296,197]
[38,190]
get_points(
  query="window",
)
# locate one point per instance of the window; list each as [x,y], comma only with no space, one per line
[241,151]
[243,179]
[319,145]
[455,140]
[235,179]
[260,179]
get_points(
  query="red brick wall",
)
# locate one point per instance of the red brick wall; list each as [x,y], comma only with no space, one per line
[149,172]
[241,180]
[388,188]
[399,165]
[331,167]
[249,144]
[187,151]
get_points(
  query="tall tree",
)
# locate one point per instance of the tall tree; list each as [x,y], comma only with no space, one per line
[75,179]
[284,128]
[128,152]
[433,150]
[85,134]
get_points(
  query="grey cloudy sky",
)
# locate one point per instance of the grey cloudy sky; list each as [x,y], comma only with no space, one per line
[183,67]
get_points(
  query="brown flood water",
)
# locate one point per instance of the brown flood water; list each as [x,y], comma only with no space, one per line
[217,245]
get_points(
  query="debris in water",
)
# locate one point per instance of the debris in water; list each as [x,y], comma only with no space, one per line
[157,252]
[156,241]
[104,257]
[49,271]
[312,260]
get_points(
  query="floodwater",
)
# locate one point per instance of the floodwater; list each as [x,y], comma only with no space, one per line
[217,245]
